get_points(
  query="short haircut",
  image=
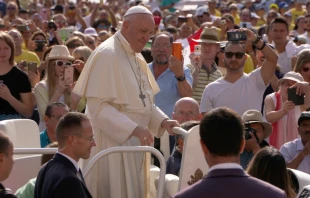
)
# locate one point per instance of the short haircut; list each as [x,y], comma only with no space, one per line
[69,124]
[163,33]
[5,143]
[49,108]
[235,43]
[171,29]
[222,132]
[279,20]
[9,41]
[47,157]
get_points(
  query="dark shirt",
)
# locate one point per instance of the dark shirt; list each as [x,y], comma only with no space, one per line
[174,163]
[6,193]
[17,82]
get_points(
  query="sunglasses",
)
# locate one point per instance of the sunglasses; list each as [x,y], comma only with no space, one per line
[305,69]
[238,55]
[72,45]
[60,63]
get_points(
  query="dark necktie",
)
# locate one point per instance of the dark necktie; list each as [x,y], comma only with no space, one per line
[80,175]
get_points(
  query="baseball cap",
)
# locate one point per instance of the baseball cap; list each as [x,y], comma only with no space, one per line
[305,115]
[283,5]
[254,15]
[273,5]
[90,31]
[201,10]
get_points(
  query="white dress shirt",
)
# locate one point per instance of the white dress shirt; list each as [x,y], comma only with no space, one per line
[71,160]
[226,166]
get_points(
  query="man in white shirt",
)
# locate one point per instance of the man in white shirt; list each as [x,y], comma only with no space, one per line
[222,141]
[296,152]
[279,31]
[237,90]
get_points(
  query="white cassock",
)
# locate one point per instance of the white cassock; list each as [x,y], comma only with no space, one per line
[115,109]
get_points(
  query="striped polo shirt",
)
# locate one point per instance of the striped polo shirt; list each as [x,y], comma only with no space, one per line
[204,78]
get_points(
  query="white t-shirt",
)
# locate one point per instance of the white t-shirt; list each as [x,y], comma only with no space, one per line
[306,36]
[285,58]
[245,94]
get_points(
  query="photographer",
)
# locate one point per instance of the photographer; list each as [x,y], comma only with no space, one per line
[256,131]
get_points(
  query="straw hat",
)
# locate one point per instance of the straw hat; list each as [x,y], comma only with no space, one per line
[294,76]
[59,52]
[209,35]
[254,116]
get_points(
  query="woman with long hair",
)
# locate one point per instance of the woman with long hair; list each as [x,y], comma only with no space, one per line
[299,28]
[15,88]
[54,88]
[302,65]
[269,165]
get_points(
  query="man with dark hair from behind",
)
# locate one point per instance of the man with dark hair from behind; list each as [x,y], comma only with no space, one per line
[6,163]
[27,191]
[222,141]
[61,177]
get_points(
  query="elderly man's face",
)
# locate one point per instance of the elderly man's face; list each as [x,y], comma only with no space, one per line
[304,131]
[186,111]
[161,49]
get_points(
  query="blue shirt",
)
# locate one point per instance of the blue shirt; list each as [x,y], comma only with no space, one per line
[168,84]
[44,139]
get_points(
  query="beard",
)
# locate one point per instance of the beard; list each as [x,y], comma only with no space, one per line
[161,59]
[233,65]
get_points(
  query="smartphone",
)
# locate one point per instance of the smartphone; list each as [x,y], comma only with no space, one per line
[292,96]
[68,74]
[236,36]
[177,50]
[22,28]
[40,45]
[32,66]
[197,50]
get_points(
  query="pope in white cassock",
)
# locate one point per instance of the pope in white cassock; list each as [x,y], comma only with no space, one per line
[120,90]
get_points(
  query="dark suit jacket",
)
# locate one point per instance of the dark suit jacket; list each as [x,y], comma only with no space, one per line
[232,183]
[174,163]
[58,179]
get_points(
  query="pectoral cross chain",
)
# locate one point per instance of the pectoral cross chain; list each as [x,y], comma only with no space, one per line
[142,97]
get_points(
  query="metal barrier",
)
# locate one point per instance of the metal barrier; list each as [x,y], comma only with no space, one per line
[127,149]
[27,151]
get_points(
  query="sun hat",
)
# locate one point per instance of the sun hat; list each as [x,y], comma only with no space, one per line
[291,75]
[209,35]
[254,116]
[59,52]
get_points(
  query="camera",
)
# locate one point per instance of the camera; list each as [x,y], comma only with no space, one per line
[236,36]
[249,130]
[51,25]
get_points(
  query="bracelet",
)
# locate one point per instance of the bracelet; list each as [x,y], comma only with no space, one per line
[256,40]
[264,44]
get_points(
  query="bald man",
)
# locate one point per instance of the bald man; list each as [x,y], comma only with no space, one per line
[120,88]
[186,109]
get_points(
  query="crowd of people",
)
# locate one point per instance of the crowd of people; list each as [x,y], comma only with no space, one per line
[95,76]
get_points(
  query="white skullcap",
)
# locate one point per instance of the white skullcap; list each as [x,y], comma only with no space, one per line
[138,10]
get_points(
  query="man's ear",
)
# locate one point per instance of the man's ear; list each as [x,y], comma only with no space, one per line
[126,24]
[204,148]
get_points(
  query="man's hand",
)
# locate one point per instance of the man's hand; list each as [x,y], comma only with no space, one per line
[176,66]
[169,124]
[250,35]
[144,134]
[251,144]
[301,87]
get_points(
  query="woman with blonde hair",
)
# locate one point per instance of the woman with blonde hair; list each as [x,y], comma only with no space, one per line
[54,88]
[302,65]
[15,88]
[269,165]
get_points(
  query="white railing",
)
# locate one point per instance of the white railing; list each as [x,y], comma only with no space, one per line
[127,149]
[179,131]
[30,151]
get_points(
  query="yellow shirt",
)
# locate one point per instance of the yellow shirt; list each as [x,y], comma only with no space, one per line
[236,19]
[261,22]
[218,13]
[296,14]
[248,65]
[27,56]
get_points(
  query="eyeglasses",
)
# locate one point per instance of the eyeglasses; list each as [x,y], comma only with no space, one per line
[72,45]
[161,46]
[90,139]
[238,55]
[305,69]
[189,114]
[62,63]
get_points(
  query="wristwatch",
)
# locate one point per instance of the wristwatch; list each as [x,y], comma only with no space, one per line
[181,79]
[257,39]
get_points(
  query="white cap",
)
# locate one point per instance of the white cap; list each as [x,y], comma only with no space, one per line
[90,31]
[138,10]
[201,10]
[254,15]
